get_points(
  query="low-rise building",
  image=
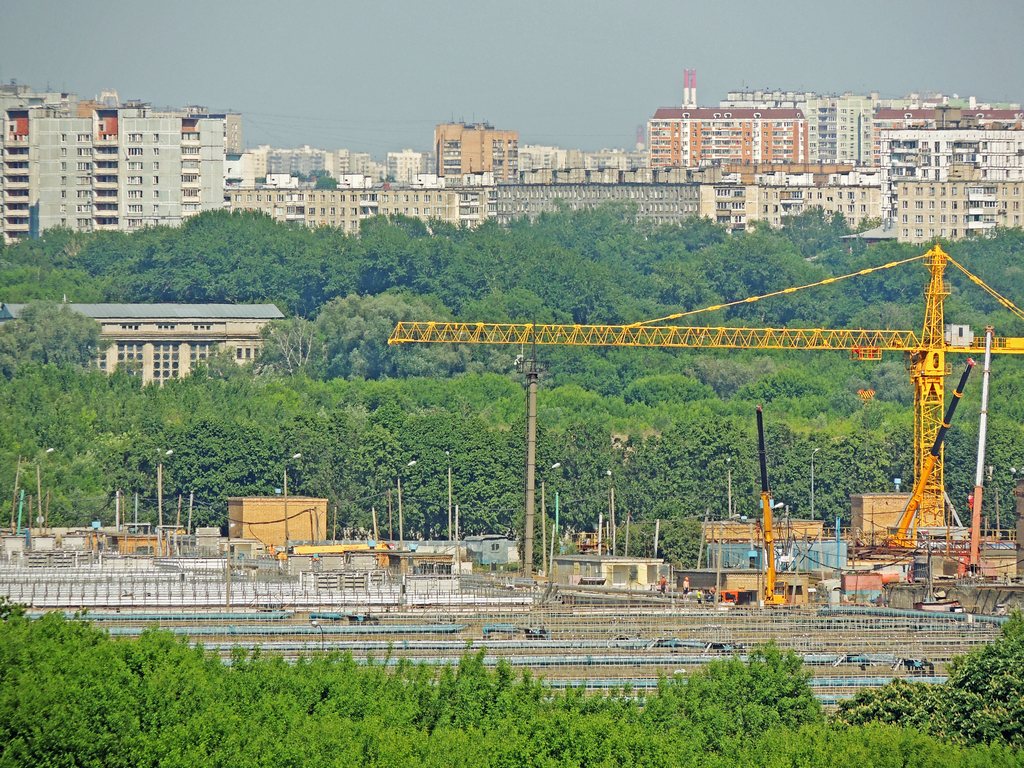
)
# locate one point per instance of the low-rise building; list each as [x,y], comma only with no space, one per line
[960,207]
[345,208]
[608,571]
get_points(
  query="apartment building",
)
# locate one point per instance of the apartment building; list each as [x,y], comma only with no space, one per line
[929,154]
[107,168]
[463,148]
[965,205]
[839,127]
[165,341]
[346,208]
[741,198]
[655,203]
[691,137]
[405,166]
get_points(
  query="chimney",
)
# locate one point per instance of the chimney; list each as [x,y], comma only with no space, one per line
[686,88]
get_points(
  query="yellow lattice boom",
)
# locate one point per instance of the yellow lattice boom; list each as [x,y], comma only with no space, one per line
[925,351]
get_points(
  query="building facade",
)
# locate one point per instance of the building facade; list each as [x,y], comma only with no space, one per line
[166,341]
[655,203]
[346,208]
[930,154]
[693,137]
[740,199]
[965,205]
[461,148]
[116,168]
[405,166]
[839,128]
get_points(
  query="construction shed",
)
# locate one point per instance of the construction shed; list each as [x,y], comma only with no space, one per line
[608,571]
[874,514]
[276,520]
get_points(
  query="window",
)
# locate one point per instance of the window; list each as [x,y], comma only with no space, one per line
[134,151]
[165,360]
[129,356]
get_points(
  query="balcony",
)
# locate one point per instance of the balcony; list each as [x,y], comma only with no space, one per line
[15,225]
[16,182]
[16,195]
[104,182]
[16,138]
[105,140]
[981,197]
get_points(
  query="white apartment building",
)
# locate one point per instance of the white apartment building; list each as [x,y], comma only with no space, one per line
[994,155]
[112,168]
[405,166]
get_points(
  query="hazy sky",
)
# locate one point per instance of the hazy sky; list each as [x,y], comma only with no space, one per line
[378,75]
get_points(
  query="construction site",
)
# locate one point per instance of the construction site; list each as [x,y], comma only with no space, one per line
[899,592]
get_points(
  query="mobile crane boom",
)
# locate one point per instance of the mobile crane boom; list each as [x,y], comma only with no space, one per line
[769,596]
[903,536]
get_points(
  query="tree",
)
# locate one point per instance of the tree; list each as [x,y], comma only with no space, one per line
[49,334]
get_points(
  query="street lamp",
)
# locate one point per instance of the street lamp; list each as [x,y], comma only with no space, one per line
[448,456]
[728,486]
[401,521]
[39,489]
[160,488]
[544,520]
[315,623]
[611,509]
[286,534]
[812,481]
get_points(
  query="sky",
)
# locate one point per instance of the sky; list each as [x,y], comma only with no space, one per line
[377,76]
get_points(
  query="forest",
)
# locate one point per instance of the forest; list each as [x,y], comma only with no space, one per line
[71,696]
[675,429]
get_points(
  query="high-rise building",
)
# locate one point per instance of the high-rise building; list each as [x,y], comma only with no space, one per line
[107,168]
[405,166]
[463,149]
[691,137]
[839,128]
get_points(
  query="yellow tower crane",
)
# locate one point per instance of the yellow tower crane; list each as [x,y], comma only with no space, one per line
[926,353]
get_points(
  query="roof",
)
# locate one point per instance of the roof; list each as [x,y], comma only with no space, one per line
[163,311]
[885,231]
[932,113]
[726,113]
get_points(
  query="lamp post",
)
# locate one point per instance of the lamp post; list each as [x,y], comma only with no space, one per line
[39,488]
[286,533]
[611,509]
[160,498]
[728,488]
[812,481]
[315,623]
[401,520]
[448,456]
[554,530]
[544,521]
